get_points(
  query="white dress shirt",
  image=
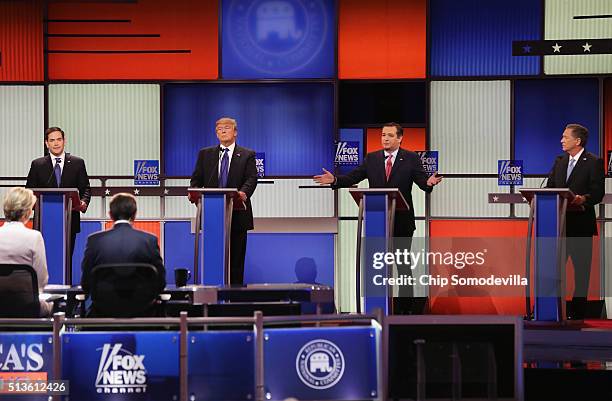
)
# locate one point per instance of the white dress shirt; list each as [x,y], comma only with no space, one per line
[393,156]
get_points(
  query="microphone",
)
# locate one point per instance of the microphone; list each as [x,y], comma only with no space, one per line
[557,159]
[215,169]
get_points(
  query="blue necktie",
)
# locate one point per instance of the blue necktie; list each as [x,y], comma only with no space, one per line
[58,171]
[224,167]
[570,168]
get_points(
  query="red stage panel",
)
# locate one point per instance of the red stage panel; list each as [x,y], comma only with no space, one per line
[21,41]
[152,227]
[382,39]
[181,26]
[492,304]
[414,139]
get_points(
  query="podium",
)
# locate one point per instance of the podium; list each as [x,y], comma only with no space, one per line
[547,213]
[214,222]
[53,218]
[377,207]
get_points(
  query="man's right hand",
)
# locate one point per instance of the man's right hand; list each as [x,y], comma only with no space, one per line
[325,178]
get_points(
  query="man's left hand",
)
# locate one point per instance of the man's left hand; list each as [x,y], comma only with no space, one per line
[242,196]
[434,180]
[83,207]
[579,200]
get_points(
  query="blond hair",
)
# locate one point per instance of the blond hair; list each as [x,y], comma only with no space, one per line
[227,120]
[17,203]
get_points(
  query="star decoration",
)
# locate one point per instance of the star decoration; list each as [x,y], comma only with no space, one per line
[107,192]
[557,48]
[527,49]
[136,191]
[587,47]
[495,199]
[166,191]
[524,199]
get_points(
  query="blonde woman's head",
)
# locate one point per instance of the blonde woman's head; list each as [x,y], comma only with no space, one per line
[18,204]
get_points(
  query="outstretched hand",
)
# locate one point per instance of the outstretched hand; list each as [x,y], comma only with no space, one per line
[325,178]
[434,180]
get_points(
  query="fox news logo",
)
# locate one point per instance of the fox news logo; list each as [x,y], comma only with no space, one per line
[146,172]
[320,364]
[509,172]
[260,164]
[429,160]
[120,371]
[347,153]
[609,163]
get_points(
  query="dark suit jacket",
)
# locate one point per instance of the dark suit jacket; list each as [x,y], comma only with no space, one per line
[587,179]
[122,244]
[74,175]
[407,169]
[242,175]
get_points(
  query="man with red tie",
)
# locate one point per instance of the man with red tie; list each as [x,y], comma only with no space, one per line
[393,167]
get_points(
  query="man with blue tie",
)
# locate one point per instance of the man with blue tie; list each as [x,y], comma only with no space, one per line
[228,165]
[59,169]
[583,173]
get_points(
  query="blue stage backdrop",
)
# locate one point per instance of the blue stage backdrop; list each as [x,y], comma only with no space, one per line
[474,37]
[292,123]
[290,258]
[270,258]
[273,39]
[542,109]
[87,228]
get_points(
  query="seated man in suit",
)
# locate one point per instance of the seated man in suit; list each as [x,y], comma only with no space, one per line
[121,244]
[21,245]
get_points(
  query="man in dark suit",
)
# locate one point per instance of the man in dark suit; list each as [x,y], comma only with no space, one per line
[583,173]
[121,244]
[392,167]
[61,170]
[228,165]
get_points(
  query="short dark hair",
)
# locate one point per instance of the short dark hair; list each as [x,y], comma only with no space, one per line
[398,128]
[123,207]
[579,132]
[53,129]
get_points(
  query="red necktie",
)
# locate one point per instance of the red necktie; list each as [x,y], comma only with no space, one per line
[388,166]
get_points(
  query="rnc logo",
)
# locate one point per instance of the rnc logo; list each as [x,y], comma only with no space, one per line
[260,164]
[320,364]
[120,371]
[509,172]
[429,160]
[347,153]
[146,172]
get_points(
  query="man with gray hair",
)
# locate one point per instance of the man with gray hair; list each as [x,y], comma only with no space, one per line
[21,245]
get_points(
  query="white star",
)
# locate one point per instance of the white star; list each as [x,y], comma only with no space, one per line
[524,199]
[587,47]
[495,199]
[107,192]
[557,48]
[136,191]
[166,192]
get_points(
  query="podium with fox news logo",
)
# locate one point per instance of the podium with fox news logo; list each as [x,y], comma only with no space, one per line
[377,207]
[53,218]
[547,214]
[213,221]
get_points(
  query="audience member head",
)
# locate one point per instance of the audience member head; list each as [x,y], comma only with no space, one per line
[18,204]
[123,207]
